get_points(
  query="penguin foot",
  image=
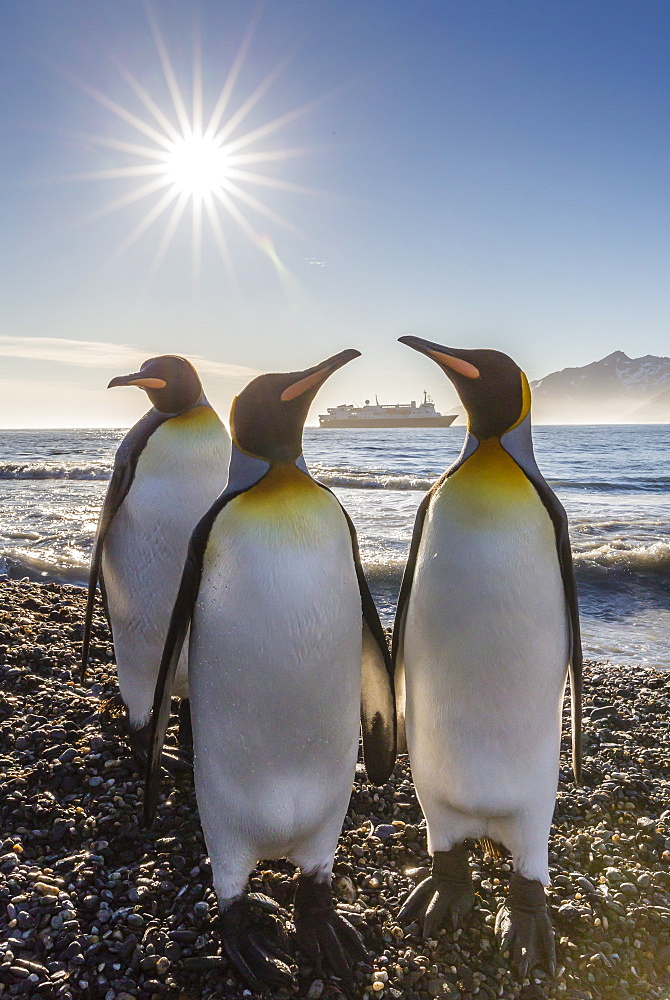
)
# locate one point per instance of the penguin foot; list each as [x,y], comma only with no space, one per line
[324,935]
[255,941]
[524,928]
[174,759]
[139,739]
[446,892]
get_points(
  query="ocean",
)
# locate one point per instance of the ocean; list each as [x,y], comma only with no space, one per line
[614,482]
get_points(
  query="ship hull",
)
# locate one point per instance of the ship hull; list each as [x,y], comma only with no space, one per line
[390,422]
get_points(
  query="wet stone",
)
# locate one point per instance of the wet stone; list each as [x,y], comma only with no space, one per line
[384,831]
[132,913]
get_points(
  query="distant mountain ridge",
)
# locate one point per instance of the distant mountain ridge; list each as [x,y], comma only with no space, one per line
[616,389]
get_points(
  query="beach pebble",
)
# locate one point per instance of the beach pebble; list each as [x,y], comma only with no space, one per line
[384,831]
[344,888]
[89,896]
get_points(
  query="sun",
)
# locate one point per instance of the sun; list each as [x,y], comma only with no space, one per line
[180,162]
[197,165]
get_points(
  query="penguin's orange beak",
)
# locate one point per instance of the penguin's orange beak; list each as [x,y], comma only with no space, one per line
[315,376]
[443,356]
[138,379]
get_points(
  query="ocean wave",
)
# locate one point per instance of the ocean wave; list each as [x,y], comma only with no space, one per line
[616,557]
[53,470]
[609,561]
[344,478]
[44,568]
[383,572]
[657,484]
[354,479]
[372,479]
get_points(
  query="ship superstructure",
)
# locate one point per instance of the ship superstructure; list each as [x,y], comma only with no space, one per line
[379,414]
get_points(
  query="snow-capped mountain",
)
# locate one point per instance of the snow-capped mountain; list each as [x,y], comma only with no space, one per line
[616,389]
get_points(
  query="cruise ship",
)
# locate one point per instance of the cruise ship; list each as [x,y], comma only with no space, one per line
[386,415]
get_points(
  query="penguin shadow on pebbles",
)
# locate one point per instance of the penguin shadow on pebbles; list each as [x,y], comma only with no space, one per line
[167,472]
[486,632]
[287,661]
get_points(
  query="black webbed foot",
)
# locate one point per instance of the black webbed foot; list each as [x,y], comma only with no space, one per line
[139,739]
[446,892]
[174,760]
[324,935]
[524,928]
[254,939]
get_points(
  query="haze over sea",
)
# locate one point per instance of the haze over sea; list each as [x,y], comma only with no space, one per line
[613,480]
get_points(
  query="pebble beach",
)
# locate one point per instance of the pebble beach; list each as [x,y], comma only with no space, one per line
[94,905]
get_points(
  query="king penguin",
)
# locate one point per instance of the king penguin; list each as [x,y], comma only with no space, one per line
[286,655]
[486,629]
[168,470]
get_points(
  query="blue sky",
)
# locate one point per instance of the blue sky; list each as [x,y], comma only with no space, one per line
[479,173]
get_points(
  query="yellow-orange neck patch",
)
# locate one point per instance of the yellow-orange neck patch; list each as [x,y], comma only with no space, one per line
[196,415]
[281,493]
[525,401]
[286,505]
[488,484]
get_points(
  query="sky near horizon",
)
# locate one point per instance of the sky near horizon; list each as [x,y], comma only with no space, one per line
[482,173]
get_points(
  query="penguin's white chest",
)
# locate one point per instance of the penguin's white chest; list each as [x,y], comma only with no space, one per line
[179,474]
[275,661]
[486,635]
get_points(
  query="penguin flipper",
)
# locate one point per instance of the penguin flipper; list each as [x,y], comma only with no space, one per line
[123,473]
[378,715]
[575,663]
[160,713]
[180,622]
[576,660]
[397,645]
[378,721]
[116,493]
[559,520]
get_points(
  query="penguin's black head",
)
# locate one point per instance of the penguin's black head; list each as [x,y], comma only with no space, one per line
[492,387]
[170,382]
[267,418]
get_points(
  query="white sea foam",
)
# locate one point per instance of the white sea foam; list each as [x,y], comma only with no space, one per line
[53,470]
[619,555]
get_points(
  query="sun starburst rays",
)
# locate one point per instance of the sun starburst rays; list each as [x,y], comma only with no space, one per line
[186,161]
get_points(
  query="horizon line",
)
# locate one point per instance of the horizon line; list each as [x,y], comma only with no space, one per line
[539,423]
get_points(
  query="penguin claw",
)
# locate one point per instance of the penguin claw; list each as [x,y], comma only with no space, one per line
[524,929]
[259,969]
[441,904]
[273,961]
[254,940]
[331,942]
[447,891]
[413,904]
[323,934]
